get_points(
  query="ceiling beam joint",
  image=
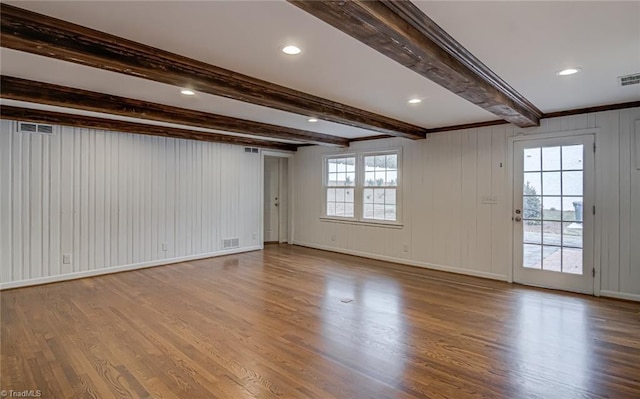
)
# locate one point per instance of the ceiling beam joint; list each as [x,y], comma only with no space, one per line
[401,31]
[30,32]
[83,121]
[18,89]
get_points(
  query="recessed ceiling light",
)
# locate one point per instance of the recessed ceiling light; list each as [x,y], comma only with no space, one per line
[312,120]
[569,71]
[291,50]
[188,92]
[415,101]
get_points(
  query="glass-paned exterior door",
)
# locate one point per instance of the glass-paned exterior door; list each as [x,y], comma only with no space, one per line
[553,213]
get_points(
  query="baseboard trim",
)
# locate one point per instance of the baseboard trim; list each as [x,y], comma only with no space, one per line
[620,295]
[408,262]
[123,268]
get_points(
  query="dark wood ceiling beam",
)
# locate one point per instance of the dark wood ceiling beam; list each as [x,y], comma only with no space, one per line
[557,114]
[50,37]
[46,93]
[401,31]
[588,110]
[61,118]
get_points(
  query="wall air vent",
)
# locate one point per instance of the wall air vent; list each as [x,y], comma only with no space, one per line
[251,150]
[39,128]
[229,243]
[629,80]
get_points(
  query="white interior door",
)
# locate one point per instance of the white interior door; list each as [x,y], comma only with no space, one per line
[553,214]
[271,199]
[283,200]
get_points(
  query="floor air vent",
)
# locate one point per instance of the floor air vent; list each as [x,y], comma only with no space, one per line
[39,128]
[251,150]
[229,243]
[629,80]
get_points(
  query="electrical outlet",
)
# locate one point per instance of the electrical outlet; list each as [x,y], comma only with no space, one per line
[66,259]
[333,238]
[255,235]
[405,247]
[164,246]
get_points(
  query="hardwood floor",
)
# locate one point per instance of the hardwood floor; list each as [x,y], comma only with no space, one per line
[291,322]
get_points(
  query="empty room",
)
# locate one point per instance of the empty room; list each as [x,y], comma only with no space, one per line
[320,199]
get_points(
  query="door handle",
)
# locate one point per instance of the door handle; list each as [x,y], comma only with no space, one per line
[517,218]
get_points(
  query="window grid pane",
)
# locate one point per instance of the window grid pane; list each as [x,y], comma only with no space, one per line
[553,214]
[340,202]
[341,172]
[379,204]
[381,170]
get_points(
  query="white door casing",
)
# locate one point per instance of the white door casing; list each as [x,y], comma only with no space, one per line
[271,199]
[553,212]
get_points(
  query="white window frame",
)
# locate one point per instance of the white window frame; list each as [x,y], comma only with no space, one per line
[325,186]
[358,215]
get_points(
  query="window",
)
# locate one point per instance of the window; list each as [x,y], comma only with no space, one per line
[341,180]
[380,186]
[363,187]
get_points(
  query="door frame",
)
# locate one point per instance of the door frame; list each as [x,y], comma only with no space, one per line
[522,136]
[290,191]
[273,187]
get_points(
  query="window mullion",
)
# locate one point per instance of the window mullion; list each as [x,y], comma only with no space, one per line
[357,192]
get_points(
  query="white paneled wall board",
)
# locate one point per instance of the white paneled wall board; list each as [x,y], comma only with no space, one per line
[456,195]
[116,201]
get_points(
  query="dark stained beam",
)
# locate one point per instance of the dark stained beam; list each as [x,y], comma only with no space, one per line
[588,110]
[46,93]
[368,138]
[451,128]
[60,118]
[557,114]
[475,125]
[50,37]
[402,32]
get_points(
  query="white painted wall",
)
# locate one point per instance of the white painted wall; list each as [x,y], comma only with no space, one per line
[445,224]
[111,200]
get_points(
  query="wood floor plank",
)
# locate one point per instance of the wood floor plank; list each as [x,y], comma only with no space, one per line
[293,322]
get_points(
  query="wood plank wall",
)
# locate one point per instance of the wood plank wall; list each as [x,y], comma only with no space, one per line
[447,226]
[111,200]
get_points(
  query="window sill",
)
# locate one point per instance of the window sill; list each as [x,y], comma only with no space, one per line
[388,225]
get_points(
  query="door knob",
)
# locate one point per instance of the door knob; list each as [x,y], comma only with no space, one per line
[518,218]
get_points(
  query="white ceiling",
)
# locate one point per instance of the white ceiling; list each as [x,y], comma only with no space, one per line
[527,42]
[523,42]
[33,67]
